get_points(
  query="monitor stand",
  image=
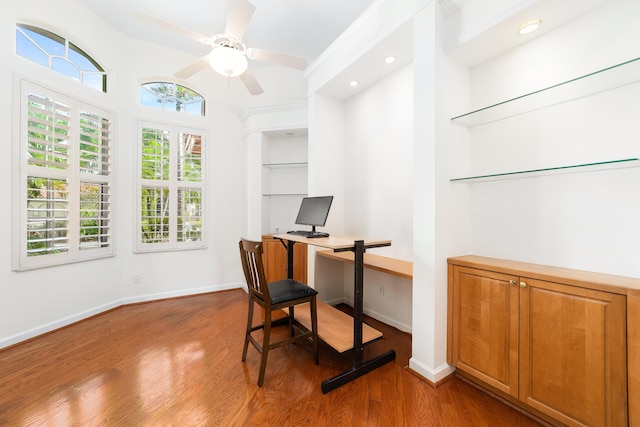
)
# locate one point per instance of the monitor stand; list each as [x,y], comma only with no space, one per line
[316,234]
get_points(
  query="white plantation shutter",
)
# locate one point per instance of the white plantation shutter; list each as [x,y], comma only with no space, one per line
[48,127]
[47,216]
[156,150]
[95,139]
[95,188]
[95,215]
[189,215]
[189,157]
[155,217]
[65,180]
[171,189]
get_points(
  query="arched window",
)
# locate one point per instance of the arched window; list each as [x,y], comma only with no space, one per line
[171,96]
[52,51]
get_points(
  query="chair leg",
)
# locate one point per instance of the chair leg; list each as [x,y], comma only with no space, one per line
[249,326]
[291,317]
[265,346]
[314,330]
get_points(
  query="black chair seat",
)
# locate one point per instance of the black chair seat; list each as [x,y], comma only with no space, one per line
[289,290]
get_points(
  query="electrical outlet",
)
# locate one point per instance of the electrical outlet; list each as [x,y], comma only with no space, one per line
[136,277]
[381,290]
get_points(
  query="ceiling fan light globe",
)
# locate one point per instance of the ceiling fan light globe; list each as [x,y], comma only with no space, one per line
[228,61]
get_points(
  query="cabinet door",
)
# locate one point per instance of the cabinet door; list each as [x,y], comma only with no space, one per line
[572,353]
[485,326]
[275,260]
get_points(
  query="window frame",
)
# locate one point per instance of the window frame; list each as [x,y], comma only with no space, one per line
[173,185]
[65,57]
[73,175]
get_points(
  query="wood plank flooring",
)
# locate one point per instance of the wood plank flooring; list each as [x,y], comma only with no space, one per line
[177,363]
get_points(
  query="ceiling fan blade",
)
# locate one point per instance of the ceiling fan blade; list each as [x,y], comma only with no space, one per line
[277,58]
[251,83]
[159,22]
[193,68]
[239,13]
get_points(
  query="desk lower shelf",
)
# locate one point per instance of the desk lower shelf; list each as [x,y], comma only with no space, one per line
[334,326]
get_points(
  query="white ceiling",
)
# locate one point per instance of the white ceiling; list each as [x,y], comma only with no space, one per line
[475,30]
[478,30]
[301,28]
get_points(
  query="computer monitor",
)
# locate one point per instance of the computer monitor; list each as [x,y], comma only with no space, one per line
[314,211]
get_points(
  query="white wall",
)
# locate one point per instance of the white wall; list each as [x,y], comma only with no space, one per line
[378,166]
[326,177]
[361,152]
[378,185]
[586,220]
[33,302]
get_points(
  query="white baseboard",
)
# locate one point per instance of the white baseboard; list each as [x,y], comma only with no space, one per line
[180,293]
[381,317]
[335,301]
[434,375]
[61,323]
[49,327]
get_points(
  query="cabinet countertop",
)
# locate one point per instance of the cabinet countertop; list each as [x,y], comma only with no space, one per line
[584,279]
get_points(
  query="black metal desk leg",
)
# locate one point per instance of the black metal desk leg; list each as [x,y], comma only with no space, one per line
[290,259]
[359,368]
[358,302]
[353,373]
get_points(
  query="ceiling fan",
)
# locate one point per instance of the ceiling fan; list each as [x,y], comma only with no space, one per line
[228,54]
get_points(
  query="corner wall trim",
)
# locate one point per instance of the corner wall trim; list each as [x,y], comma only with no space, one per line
[434,375]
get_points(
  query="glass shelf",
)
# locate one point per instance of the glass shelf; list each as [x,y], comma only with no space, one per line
[612,77]
[611,164]
[285,165]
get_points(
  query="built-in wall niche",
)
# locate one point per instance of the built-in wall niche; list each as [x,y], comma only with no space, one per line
[284,177]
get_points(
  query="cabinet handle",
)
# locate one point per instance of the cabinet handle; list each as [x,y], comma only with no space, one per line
[512,282]
[523,285]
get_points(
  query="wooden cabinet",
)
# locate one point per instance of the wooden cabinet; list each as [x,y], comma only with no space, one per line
[275,260]
[485,323]
[551,346]
[573,353]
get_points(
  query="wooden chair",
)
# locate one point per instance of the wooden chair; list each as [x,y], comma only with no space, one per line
[274,296]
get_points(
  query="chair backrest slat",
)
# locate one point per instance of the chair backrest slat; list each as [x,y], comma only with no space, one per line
[251,256]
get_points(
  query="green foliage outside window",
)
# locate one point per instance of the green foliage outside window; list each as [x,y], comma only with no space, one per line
[47,216]
[171,96]
[155,154]
[190,215]
[155,215]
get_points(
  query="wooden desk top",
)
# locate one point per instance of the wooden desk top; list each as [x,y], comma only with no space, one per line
[333,242]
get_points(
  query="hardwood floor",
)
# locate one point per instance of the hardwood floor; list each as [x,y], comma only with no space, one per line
[177,363]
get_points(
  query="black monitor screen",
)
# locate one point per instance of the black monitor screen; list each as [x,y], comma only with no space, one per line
[314,211]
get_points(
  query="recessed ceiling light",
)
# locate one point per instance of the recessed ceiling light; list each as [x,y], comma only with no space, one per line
[529,26]
[353,83]
[390,59]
